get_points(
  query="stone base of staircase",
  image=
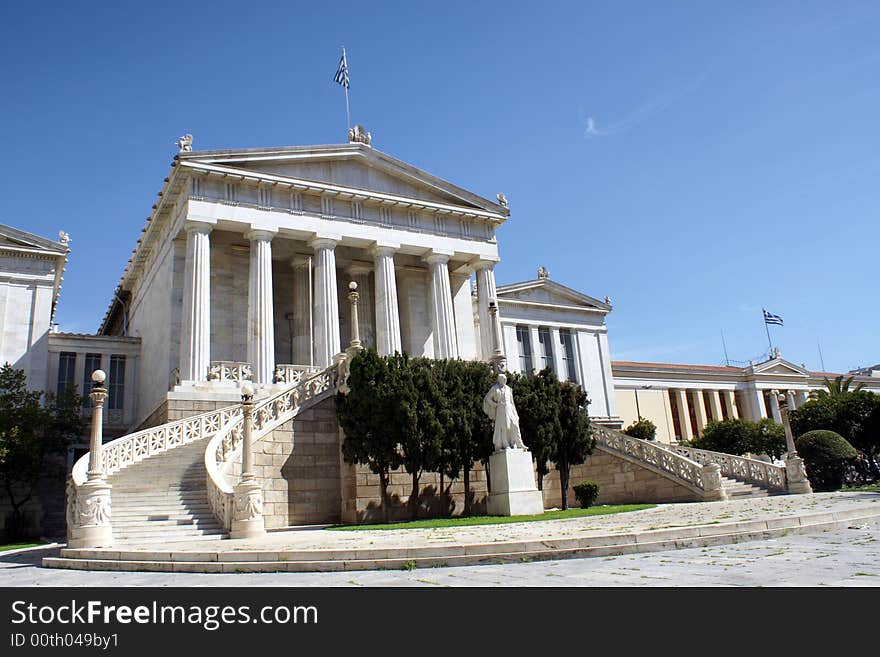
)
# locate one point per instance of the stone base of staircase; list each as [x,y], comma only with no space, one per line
[231,557]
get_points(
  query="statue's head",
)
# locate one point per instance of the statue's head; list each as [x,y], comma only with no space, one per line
[502,379]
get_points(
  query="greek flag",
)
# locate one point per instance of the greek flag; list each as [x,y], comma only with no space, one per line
[770,318]
[342,71]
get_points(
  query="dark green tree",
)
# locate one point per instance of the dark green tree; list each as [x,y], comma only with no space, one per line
[576,441]
[537,400]
[421,431]
[368,416]
[29,434]
[738,437]
[466,428]
[642,428]
[827,456]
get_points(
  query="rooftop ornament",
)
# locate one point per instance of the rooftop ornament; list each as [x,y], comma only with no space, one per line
[185,144]
[359,135]
[502,199]
[543,274]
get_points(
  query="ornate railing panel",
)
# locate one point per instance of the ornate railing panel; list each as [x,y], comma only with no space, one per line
[268,414]
[761,473]
[229,370]
[687,470]
[135,447]
[293,374]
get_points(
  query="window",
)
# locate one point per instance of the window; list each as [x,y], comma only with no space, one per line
[93,362]
[116,383]
[568,361]
[66,367]
[525,350]
[546,341]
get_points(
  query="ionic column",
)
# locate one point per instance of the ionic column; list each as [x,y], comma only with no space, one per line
[699,411]
[486,292]
[774,407]
[730,398]
[558,362]
[715,404]
[442,317]
[789,398]
[261,320]
[387,310]
[801,398]
[326,315]
[684,416]
[195,327]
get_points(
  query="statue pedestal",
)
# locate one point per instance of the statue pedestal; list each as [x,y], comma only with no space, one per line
[514,492]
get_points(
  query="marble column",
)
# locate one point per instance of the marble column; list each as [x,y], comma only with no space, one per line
[758,408]
[463,305]
[261,318]
[801,398]
[789,399]
[195,326]
[558,361]
[326,313]
[684,415]
[537,349]
[699,410]
[774,407]
[387,309]
[730,398]
[442,317]
[486,292]
[715,405]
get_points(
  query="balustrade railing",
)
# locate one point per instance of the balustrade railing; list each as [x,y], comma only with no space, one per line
[293,374]
[766,475]
[230,370]
[135,447]
[268,414]
[680,466]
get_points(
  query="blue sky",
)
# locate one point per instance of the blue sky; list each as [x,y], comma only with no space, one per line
[694,161]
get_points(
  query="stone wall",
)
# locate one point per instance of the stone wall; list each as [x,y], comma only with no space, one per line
[620,482]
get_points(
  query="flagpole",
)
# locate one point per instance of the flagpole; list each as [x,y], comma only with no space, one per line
[724,344]
[347,111]
[767,327]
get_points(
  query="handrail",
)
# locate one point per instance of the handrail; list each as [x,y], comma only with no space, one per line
[268,415]
[753,471]
[135,447]
[688,471]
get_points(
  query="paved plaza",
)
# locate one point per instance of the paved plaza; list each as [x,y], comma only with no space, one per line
[844,557]
[848,554]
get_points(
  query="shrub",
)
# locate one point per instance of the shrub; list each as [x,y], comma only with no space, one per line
[740,436]
[827,456]
[642,428]
[586,493]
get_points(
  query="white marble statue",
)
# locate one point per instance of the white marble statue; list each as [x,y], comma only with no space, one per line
[498,405]
[185,144]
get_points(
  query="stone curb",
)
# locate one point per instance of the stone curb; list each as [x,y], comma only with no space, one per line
[251,561]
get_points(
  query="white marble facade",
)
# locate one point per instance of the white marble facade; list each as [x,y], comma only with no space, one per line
[31,270]
[248,256]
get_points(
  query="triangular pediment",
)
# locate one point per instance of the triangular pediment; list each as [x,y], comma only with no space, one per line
[351,166]
[551,293]
[21,239]
[779,366]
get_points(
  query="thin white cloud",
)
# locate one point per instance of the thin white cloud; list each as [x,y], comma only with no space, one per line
[647,110]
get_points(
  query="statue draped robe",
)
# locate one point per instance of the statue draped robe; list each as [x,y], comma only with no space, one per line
[498,405]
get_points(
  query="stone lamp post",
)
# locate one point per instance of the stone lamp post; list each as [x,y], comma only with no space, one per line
[794,464]
[353,297]
[88,506]
[247,512]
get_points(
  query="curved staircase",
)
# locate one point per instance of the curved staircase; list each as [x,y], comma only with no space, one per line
[163,499]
